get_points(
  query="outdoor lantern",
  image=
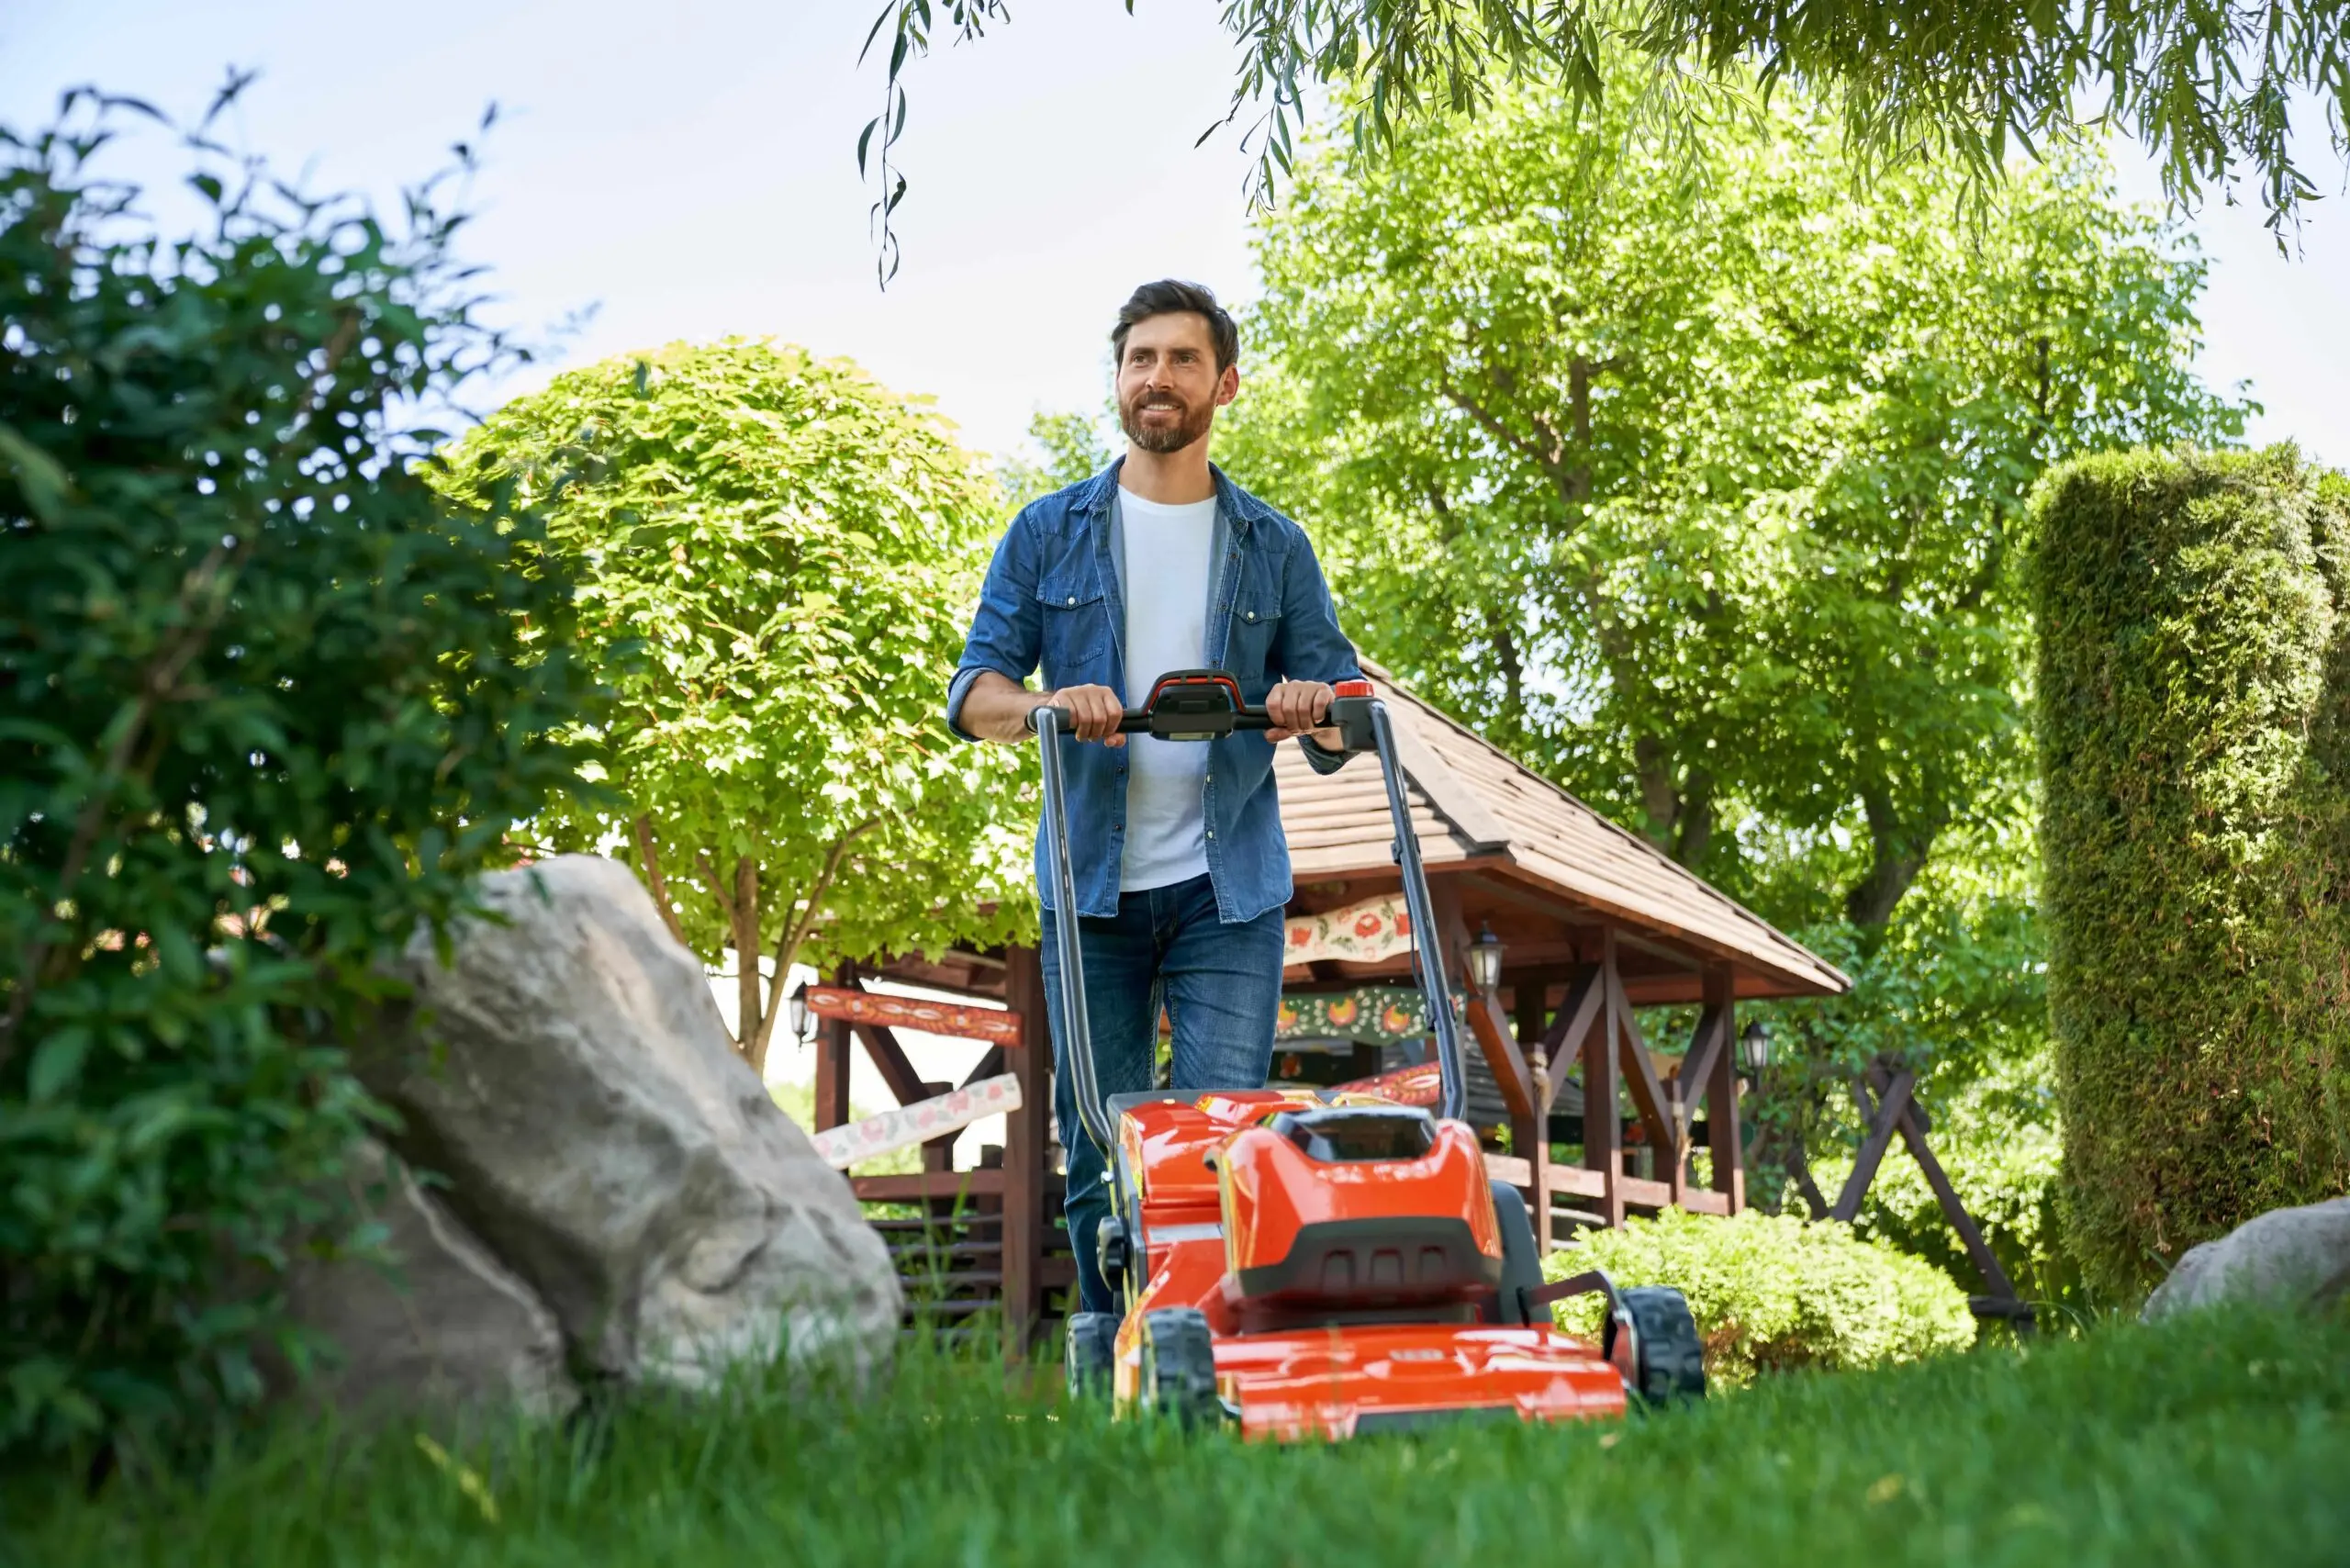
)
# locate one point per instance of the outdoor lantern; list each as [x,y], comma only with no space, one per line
[1754,1047]
[1485,960]
[799,1016]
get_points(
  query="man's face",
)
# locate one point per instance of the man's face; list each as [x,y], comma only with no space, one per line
[1168,387]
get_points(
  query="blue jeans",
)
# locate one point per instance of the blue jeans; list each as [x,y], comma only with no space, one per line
[1221,985]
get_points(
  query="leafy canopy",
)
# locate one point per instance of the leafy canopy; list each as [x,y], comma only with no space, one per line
[1696,481]
[263,709]
[775,554]
[2210,87]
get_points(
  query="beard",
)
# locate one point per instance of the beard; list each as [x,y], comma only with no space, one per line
[1164,435]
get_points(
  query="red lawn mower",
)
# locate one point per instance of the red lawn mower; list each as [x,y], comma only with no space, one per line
[1322,1263]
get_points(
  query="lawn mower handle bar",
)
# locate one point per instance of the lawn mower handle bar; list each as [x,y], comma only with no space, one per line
[1049,725]
[1137,721]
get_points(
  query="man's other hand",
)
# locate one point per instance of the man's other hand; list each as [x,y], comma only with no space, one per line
[1297,707]
[1097,711]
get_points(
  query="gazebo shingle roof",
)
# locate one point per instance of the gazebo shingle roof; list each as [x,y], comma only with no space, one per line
[1471,801]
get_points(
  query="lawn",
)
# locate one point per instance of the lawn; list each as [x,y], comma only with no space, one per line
[2201,1443]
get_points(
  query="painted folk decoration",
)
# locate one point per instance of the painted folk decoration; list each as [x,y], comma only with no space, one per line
[1366,933]
[842,1146]
[996,1026]
[1371,1015]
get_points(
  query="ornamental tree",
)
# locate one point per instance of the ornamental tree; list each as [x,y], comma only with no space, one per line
[776,557]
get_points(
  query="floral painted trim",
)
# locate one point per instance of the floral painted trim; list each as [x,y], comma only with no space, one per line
[840,1148]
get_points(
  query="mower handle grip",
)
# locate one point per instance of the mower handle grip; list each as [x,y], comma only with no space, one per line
[1137,721]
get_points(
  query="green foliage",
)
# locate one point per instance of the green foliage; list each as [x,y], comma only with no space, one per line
[776,556]
[1699,483]
[1770,1292]
[2209,88]
[1070,449]
[2195,624]
[2163,1446]
[1695,481]
[267,708]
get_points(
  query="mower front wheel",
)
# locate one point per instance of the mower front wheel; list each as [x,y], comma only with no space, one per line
[1092,1353]
[1179,1366]
[1666,1361]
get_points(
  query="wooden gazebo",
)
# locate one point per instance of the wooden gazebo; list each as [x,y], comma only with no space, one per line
[1594,923]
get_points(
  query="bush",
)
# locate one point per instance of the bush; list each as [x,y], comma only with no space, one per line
[1770,1292]
[263,709]
[2192,747]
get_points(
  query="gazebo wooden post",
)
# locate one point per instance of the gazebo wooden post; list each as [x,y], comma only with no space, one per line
[1024,1141]
[1602,1076]
[1531,1133]
[1721,1090]
[836,1048]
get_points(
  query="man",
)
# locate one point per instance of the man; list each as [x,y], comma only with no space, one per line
[1160,562]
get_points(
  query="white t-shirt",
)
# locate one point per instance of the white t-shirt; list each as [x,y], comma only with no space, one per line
[1166,628]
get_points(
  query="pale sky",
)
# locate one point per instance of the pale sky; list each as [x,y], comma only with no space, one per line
[689,170]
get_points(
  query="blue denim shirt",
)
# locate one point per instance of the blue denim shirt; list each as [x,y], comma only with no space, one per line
[1055,600]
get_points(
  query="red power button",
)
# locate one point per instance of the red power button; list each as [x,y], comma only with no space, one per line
[1352,689]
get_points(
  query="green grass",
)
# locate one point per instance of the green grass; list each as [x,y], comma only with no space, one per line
[2217,1443]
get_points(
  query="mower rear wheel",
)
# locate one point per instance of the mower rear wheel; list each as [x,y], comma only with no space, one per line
[1667,1359]
[1093,1349]
[1179,1366]
[1521,1264]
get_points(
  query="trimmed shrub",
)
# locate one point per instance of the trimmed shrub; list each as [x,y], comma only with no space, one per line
[1770,1292]
[2192,740]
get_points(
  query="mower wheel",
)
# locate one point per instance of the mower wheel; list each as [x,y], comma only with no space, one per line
[1521,1265]
[1093,1349]
[1179,1366]
[1669,1362]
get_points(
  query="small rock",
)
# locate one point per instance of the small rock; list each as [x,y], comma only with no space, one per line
[2298,1257]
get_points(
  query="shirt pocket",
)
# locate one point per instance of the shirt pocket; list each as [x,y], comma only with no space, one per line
[1075,629]
[1256,624]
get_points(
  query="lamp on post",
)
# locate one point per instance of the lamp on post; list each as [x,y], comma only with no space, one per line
[799,1016]
[1485,960]
[1754,1049]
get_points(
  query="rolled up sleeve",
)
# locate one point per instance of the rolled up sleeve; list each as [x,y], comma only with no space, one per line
[1006,632]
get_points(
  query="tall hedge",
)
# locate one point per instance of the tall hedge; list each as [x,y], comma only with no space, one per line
[2194,717]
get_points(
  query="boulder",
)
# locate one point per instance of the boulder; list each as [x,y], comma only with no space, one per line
[569,1074]
[447,1328]
[2287,1257]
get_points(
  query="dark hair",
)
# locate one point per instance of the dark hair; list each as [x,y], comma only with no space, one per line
[1168,297]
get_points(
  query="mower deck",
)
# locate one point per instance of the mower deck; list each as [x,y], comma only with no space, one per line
[1335,1372]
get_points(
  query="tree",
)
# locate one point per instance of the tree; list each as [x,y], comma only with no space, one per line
[2209,88]
[1069,448]
[268,709]
[775,557]
[1695,480]
[1699,483]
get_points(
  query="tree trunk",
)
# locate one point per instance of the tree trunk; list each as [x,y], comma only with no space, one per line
[1897,853]
[750,996]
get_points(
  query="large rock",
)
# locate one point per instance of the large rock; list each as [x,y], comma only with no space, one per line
[2287,1257]
[601,1135]
[447,1329]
